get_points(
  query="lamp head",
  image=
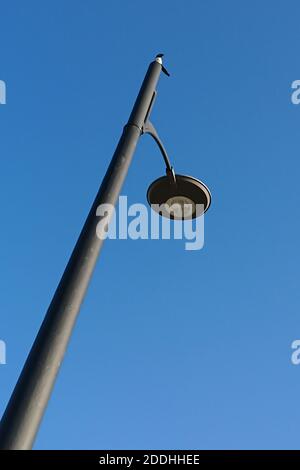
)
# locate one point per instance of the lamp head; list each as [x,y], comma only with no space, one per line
[181,198]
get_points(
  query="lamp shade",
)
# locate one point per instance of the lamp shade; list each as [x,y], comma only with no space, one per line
[184,199]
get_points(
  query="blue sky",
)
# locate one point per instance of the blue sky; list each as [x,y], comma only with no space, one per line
[173,349]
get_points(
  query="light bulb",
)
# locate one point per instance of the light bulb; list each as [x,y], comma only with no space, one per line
[180,207]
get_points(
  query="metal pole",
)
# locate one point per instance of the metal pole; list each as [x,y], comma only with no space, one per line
[24,412]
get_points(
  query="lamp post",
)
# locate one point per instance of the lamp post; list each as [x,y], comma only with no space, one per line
[25,409]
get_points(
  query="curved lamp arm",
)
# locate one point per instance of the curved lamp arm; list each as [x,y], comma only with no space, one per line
[148,128]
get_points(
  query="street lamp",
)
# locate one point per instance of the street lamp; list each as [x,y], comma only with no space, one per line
[190,195]
[25,409]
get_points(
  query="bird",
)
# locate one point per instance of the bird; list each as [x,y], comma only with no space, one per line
[159,60]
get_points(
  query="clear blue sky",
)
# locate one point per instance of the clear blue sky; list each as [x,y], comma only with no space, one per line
[173,349]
